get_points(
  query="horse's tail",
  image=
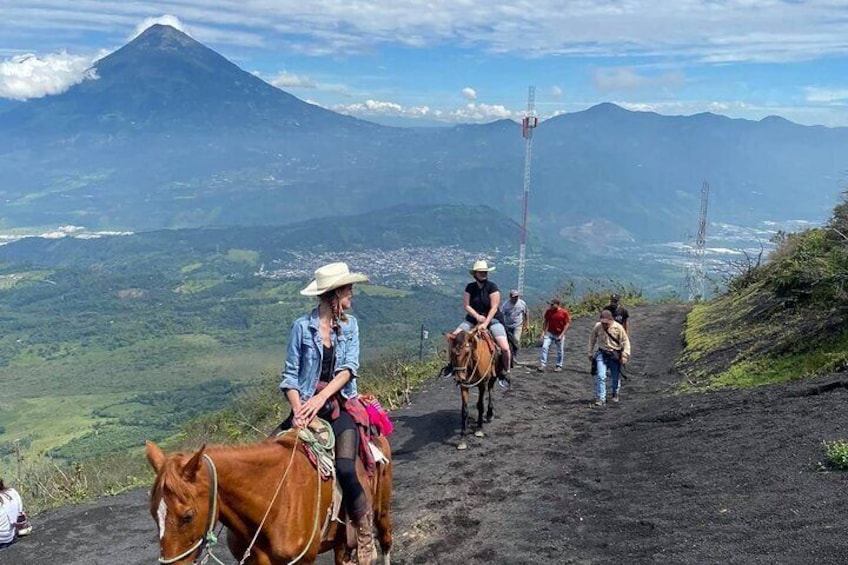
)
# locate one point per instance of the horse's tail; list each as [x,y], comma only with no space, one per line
[383,495]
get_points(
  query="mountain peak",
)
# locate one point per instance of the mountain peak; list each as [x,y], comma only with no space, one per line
[163,49]
[776,120]
[607,108]
[161,36]
[164,81]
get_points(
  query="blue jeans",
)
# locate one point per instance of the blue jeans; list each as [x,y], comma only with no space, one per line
[546,343]
[606,362]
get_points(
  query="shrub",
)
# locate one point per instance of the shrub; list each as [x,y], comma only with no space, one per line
[839,220]
[837,453]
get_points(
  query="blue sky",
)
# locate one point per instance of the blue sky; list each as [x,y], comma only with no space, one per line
[445,61]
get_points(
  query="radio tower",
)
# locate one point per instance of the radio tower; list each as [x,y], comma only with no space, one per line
[696,288]
[528,124]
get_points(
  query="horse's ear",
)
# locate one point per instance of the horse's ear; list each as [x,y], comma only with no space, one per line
[154,456]
[190,470]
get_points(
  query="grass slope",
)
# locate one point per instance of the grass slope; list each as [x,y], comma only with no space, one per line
[782,320]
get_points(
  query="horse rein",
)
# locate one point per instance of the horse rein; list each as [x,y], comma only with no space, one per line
[210,538]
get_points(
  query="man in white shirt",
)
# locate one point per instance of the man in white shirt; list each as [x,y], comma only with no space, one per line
[516,319]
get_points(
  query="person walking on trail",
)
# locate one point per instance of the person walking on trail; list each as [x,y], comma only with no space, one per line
[619,312]
[516,320]
[613,351]
[481,302]
[557,322]
[13,520]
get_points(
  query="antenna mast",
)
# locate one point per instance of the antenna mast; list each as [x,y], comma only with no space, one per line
[528,124]
[696,287]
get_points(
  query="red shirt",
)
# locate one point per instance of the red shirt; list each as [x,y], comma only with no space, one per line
[556,319]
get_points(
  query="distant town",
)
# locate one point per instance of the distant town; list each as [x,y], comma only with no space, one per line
[405,267]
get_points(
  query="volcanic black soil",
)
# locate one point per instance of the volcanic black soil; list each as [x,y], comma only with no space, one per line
[726,477]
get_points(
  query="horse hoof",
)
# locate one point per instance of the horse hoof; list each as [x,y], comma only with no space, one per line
[479,433]
[462,446]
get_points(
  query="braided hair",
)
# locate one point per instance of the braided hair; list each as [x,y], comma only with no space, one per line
[333,299]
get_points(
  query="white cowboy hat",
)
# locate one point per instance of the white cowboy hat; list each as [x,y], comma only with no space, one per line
[330,277]
[481,265]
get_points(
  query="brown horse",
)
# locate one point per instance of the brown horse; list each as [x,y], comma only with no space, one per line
[476,362]
[268,495]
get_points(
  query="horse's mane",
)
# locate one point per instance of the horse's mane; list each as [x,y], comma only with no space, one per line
[459,341]
[285,440]
[172,480]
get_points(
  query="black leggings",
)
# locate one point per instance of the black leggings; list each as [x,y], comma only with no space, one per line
[347,450]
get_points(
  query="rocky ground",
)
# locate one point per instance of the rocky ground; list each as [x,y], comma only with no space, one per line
[727,477]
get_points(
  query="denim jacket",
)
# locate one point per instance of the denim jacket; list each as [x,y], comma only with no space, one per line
[305,354]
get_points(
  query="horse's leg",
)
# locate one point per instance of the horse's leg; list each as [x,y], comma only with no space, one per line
[236,544]
[481,392]
[464,395]
[261,558]
[490,411]
[340,553]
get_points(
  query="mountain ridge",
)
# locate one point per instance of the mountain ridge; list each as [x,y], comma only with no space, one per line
[210,144]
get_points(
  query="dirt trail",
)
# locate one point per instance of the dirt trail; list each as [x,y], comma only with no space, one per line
[730,477]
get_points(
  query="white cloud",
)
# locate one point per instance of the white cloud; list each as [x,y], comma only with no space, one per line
[680,108]
[627,78]
[471,112]
[291,80]
[380,108]
[730,30]
[166,19]
[832,115]
[826,95]
[556,92]
[483,113]
[469,93]
[28,76]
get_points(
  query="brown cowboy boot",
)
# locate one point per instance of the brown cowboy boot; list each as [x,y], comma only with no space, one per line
[365,539]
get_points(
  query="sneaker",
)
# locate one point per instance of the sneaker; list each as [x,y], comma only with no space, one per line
[504,382]
[446,372]
[540,369]
[599,404]
[558,370]
[614,398]
[23,525]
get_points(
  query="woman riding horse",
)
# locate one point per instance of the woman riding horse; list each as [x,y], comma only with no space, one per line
[319,378]
[481,302]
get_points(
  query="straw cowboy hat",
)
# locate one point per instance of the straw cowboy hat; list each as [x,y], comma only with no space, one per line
[481,265]
[330,277]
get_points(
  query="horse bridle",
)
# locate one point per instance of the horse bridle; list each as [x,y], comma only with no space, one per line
[209,538]
[472,356]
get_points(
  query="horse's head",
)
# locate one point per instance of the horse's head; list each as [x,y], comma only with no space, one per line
[182,503]
[462,356]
